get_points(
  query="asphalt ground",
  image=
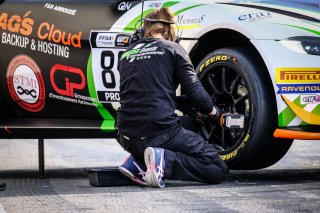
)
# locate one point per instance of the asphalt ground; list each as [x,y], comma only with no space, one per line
[291,185]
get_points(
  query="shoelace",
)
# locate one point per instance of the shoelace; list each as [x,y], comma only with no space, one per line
[141,172]
[160,171]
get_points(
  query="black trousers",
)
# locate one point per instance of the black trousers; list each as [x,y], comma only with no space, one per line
[187,155]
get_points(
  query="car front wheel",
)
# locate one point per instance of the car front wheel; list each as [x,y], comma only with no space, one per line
[238,83]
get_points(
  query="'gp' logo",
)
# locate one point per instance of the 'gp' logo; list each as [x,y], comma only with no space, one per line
[68,90]
[124,6]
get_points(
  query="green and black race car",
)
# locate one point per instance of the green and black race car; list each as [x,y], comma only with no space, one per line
[59,69]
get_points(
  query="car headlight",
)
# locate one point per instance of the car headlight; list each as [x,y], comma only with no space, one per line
[303,44]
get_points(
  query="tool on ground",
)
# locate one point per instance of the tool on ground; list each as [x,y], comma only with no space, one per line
[108,176]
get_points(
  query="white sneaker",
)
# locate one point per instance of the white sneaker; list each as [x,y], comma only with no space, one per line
[154,160]
[134,170]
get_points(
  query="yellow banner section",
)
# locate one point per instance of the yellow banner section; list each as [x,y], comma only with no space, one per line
[306,116]
[298,75]
[187,27]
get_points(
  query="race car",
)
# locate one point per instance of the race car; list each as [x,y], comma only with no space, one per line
[260,59]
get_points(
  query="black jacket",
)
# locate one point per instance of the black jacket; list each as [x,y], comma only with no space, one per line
[150,72]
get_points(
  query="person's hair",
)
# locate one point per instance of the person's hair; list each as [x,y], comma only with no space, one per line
[166,30]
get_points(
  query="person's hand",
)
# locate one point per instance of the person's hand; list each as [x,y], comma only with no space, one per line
[213,112]
[216,115]
[213,117]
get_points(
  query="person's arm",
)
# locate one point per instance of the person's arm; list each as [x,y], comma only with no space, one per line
[190,83]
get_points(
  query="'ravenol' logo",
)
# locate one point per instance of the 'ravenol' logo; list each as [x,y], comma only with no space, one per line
[298,88]
[298,80]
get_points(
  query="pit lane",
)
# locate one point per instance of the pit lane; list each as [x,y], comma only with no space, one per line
[291,185]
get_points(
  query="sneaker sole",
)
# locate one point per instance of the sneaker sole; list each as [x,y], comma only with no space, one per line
[130,175]
[150,159]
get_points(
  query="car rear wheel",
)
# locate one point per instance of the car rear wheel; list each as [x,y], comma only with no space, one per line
[238,83]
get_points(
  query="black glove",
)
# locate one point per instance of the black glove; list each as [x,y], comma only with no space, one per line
[216,119]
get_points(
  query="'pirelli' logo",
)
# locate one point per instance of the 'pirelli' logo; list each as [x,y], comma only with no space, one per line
[298,75]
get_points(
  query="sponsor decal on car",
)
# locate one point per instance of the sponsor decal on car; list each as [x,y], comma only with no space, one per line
[123,40]
[15,28]
[25,83]
[71,80]
[154,5]
[107,48]
[106,40]
[186,23]
[307,113]
[181,19]
[60,9]
[77,99]
[298,80]
[183,25]
[123,6]
[50,32]
[51,49]
[298,88]
[310,99]
[298,75]
[15,40]
[254,16]
[17,24]
[49,38]
[65,81]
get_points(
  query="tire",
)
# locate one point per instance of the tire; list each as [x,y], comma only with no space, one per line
[238,83]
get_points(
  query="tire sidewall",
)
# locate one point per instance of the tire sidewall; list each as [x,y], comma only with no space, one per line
[259,91]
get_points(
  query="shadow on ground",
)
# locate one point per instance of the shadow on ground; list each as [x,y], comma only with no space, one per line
[285,175]
[27,183]
[282,176]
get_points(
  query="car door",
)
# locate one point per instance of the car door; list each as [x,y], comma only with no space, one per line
[46,59]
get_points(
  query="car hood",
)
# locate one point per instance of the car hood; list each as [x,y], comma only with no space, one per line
[274,20]
[303,6]
[288,18]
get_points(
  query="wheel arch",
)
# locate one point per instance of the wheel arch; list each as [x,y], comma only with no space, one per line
[226,38]
[221,38]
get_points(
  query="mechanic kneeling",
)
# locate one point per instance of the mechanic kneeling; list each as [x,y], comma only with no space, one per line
[150,71]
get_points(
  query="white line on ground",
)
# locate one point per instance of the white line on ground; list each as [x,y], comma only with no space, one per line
[2,209]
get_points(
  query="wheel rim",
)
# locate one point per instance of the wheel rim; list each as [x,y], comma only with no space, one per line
[229,91]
